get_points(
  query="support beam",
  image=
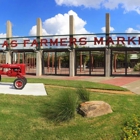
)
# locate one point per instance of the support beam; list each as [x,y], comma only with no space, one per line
[8,36]
[107,53]
[72,52]
[39,52]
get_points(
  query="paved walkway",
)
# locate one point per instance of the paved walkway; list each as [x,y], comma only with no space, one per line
[131,83]
[34,89]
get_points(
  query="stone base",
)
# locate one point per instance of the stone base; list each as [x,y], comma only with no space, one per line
[94,108]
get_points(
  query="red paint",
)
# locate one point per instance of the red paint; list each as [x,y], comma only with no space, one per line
[73,41]
[120,81]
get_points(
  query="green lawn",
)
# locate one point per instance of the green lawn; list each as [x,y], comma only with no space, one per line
[69,83]
[24,117]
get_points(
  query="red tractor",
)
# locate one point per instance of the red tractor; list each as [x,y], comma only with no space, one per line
[14,70]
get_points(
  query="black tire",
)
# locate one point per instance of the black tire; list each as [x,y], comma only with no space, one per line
[19,83]
[25,80]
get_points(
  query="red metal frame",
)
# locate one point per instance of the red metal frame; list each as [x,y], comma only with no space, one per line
[12,70]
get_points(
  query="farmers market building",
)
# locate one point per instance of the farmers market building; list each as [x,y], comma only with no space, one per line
[103,54]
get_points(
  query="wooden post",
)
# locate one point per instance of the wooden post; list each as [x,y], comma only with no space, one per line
[80,61]
[52,61]
[59,62]
[115,63]
[48,62]
[92,62]
[18,58]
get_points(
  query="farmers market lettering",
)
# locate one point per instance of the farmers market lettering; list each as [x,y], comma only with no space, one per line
[73,41]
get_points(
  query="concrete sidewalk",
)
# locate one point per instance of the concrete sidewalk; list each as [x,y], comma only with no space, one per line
[34,89]
[131,83]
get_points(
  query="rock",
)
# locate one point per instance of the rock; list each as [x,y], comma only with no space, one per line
[94,108]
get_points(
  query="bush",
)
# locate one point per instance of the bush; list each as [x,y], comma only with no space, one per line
[64,107]
[131,130]
[137,67]
[83,94]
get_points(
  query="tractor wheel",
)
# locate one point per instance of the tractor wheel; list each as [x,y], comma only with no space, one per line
[19,83]
[25,80]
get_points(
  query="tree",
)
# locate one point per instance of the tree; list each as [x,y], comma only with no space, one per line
[119,56]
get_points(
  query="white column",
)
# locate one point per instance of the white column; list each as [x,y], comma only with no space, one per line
[72,52]
[107,51]
[8,36]
[39,52]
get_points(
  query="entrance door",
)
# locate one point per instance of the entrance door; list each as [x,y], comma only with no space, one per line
[97,63]
[125,62]
[82,62]
[55,63]
[28,58]
[90,62]
[119,63]
[133,59]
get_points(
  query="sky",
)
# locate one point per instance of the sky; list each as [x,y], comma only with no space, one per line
[89,16]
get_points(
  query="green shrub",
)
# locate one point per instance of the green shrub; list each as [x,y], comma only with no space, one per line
[83,94]
[137,67]
[64,107]
[131,130]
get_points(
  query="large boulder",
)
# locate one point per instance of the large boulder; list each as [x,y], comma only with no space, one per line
[94,108]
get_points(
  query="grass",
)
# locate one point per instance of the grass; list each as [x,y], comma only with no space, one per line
[24,117]
[70,83]
[64,107]
[83,94]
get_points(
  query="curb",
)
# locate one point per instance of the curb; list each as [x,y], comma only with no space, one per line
[100,90]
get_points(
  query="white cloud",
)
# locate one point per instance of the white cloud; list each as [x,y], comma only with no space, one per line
[104,29]
[59,24]
[138,26]
[33,31]
[131,30]
[2,35]
[86,3]
[127,5]
[136,34]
